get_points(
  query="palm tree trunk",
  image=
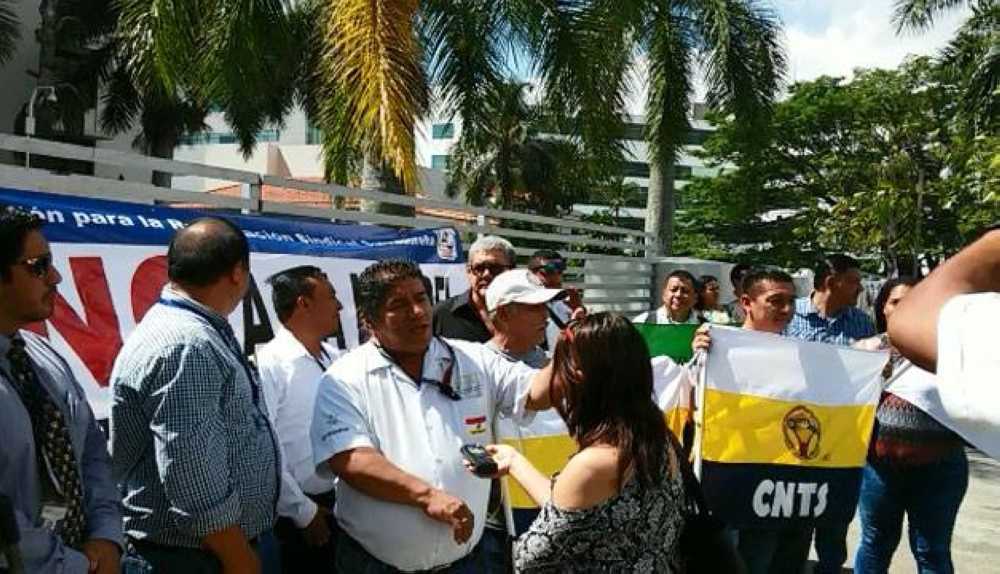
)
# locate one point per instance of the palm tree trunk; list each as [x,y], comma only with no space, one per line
[660,206]
[374,177]
[162,147]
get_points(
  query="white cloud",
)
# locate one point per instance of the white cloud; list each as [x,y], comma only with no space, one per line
[858,33]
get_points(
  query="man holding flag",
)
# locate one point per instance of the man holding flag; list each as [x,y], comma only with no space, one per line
[830,315]
[767,299]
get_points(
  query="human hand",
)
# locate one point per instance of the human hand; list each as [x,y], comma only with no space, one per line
[317,532]
[504,456]
[876,343]
[245,563]
[104,556]
[443,507]
[702,339]
[573,298]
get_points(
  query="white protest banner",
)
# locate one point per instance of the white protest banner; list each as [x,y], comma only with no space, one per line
[112,256]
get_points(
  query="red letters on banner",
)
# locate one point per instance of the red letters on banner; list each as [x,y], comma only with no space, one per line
[97,339]
[149,279]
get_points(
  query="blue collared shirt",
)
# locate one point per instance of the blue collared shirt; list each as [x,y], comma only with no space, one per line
[843,328]
[41,550]
[193,450]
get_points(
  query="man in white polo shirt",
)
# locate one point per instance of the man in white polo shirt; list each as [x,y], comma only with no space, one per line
[291,366]
[391,417]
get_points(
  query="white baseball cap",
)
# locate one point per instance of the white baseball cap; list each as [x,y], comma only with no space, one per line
[518,286]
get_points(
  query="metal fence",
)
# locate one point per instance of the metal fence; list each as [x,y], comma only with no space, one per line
[614,267]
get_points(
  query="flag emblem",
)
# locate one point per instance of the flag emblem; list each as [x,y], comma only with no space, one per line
[475,425]
[802,432]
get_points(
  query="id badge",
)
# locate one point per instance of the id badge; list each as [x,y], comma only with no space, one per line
[52,516]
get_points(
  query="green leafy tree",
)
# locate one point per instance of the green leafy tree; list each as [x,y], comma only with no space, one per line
[876,167]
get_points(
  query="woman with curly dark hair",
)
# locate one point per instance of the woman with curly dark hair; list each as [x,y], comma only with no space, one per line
[617,504]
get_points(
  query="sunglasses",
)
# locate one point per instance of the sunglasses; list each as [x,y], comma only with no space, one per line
[38,266]
[556,266]
[493,268]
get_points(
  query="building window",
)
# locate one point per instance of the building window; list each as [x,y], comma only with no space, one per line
[209,138]
[314,135]
[635,169]
[443,131]
[697,137]
[439,162]
[633,132]
[682,172]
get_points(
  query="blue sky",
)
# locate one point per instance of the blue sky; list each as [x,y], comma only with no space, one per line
[834,37]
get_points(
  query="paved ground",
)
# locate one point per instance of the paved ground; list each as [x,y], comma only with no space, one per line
[976,544]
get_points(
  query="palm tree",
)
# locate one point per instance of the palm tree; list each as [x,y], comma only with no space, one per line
[972,56]
[10,31]
[504,157]
[737,44]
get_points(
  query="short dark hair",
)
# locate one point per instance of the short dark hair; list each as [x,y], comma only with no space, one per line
[738,272]
[15,225]
[377,279]
[832,265]
[681,274]
[290,284]
[753,279]
[542,255]
[881,323]
[204,250]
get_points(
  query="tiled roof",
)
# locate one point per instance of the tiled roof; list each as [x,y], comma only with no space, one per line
[321,200]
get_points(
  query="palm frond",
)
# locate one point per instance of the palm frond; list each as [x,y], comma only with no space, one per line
[246,65]
[745,62]
[585,52]
[972,59]
[920,14]
[463,41]
[10,31]
[670,48]
[372,47]
[156,42]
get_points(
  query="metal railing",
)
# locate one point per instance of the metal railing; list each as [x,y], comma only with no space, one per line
[620,280]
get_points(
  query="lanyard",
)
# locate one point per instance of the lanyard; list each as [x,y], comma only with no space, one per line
[226,336]
[445,384]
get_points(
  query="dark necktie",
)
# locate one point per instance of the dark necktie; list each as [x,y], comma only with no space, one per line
[52,443]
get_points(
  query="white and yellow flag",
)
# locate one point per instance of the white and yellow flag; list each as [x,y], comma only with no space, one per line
[546,443]
[785,427]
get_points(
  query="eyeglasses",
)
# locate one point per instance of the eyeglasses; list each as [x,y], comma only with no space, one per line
[38,266]
[555,266]
[494,268]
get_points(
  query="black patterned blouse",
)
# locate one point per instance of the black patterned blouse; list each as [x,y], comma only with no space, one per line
[633,531]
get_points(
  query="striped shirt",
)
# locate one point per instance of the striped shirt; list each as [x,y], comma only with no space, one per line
[843,328]
[192,446]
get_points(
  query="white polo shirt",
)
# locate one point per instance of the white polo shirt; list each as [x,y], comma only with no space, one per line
[366,400]
[290,376]
[968,368]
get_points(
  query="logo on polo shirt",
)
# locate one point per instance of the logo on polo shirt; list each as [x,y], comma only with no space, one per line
[475,425]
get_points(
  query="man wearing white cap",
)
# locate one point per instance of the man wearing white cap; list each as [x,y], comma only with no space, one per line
[518,308]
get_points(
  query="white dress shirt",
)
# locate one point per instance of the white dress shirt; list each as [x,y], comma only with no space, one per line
[663,318]
[366,400]
[290,377]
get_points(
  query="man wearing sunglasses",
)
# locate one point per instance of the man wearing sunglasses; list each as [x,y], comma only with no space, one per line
[54,462]
[548,267]
[465,316]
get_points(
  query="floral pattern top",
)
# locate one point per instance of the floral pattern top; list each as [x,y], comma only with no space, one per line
[635,530]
